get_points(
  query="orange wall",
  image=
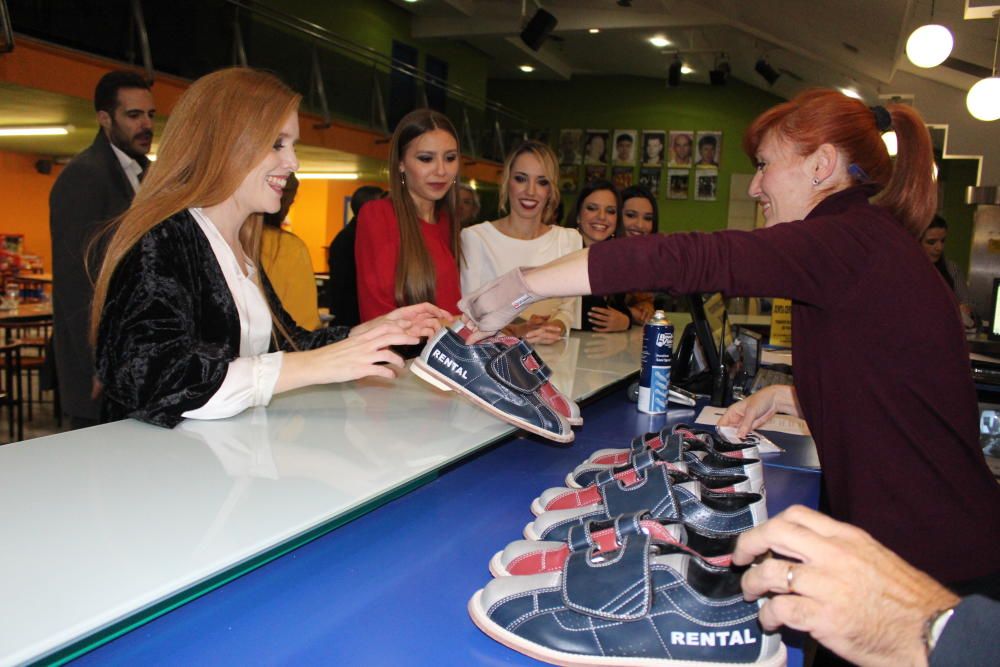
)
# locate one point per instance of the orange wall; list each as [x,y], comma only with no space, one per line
[25,196]
[318,214]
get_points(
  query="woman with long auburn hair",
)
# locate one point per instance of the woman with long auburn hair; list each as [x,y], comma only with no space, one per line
[407,249]
[185,323]
[881,364]
[524,237]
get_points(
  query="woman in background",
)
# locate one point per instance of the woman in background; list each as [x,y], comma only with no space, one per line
[407,248]
[598,217]
[640,217]
[524,237]
[185,325]
[286,261]
[933,240]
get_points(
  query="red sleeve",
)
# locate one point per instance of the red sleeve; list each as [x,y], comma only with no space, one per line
[375,252]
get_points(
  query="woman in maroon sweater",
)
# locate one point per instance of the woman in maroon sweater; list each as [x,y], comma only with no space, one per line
[881,365]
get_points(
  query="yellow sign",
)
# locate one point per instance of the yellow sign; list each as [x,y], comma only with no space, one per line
[781,322]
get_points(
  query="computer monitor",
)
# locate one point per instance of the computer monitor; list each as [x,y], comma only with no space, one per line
[750,344]
[712,331]
[995,318]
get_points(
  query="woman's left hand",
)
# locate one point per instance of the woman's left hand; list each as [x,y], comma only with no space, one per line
[421,320]
[606,320]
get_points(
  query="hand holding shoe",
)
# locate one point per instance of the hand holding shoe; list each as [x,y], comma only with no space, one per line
[497,303]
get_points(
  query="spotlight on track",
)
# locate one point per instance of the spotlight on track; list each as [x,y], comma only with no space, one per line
[719,74]
[765,70]
[674,72]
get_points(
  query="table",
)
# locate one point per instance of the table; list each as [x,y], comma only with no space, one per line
[26,313]
[390,588]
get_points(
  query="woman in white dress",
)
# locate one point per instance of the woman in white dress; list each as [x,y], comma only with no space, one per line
[524,237]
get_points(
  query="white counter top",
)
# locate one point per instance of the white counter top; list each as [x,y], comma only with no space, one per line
[103,522]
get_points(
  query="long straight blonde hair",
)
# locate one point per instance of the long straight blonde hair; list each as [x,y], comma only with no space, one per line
[416,277]
[221,128]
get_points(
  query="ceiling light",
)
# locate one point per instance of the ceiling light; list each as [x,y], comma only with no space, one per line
[983,99]
[594,31]
[327,176]
[473,184]
[891,143]
[659,41]
[410,1]
[526,68]
[929,45]
[765,70]
[35,130]
[685,69]
[851,92]
[151,157]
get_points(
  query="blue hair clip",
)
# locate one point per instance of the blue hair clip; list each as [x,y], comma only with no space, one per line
[858,173]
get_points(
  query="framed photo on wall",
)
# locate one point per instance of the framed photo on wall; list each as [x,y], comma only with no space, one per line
[653,143]
[595,148]
[649,178]
[570,144]
[622,177]
[706,183]
[709,147]
[678,183]
[624,150]
[569,178]
[681,142]
[595,173]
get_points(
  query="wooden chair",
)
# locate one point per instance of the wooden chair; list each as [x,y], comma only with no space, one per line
[33,337]
[12,391]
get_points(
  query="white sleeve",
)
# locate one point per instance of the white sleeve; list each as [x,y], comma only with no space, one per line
[249,382]
[471,260]
[569,310]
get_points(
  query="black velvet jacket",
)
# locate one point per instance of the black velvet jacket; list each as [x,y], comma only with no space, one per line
[170,327]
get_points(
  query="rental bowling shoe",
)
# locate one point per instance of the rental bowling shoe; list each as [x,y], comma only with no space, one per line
[715,471]
[524,557]
[647,486]
[654,441]
[502,378]
[641,604]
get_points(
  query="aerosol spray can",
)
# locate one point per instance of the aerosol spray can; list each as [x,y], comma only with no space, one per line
[654,376]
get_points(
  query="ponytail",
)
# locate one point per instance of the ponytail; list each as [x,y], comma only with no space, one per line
[911,194]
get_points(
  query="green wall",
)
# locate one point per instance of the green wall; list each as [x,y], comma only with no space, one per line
[623,102]
[955,175]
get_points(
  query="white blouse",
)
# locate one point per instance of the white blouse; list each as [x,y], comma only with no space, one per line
[250,379]
[488,253]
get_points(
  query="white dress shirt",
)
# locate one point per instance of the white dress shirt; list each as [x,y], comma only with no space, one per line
[131,166]
[250,378]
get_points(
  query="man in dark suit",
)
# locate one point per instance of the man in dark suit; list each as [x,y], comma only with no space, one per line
[94,188]
[342,290]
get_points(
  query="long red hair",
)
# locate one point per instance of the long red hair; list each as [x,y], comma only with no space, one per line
[822,116]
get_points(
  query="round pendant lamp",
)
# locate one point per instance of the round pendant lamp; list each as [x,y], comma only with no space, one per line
[983,100]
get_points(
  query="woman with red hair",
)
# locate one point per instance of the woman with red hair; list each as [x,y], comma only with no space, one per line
[881,365]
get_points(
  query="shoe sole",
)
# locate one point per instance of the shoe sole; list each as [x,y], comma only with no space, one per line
[553,657]
[529,532]
[497,568]
[435,379]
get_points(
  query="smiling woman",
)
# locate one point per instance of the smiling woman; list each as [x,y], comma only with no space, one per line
[407,248]
[186,324]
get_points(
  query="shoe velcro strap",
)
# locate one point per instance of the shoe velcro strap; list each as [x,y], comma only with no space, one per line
[638,443]
[533,362]
[653,492]
[508,369]
[673,448]
[643,460]
[618,588]
[580,538]
[628,524]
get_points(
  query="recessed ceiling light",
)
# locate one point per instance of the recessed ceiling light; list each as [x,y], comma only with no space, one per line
[410,1]
[686,70]
[35,131]
[526,68]
[659,41]
[594,31]
[326,176]
[851,92]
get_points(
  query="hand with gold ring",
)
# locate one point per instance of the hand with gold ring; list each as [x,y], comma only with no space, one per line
[837,583]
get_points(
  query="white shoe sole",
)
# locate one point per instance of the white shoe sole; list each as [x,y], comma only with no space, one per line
[432,377]
[553,657]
